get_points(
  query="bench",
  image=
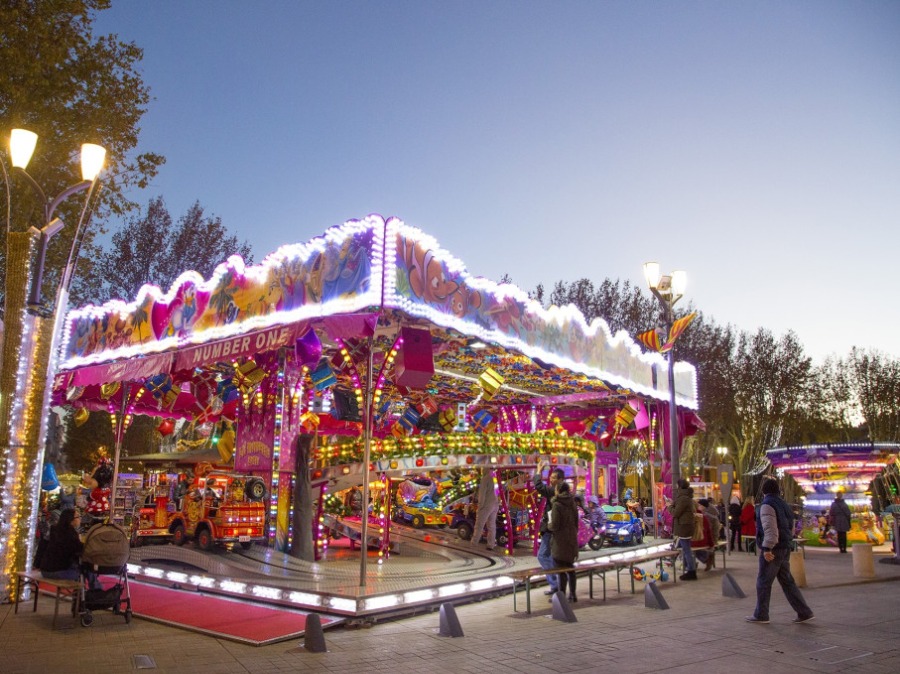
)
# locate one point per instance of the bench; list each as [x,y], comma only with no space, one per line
[524,577]
[64,588]
[600,569]
[722,547]
[749,543]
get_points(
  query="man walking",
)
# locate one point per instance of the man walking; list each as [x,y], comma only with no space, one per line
[839,516]
[488,505]
[774,533]
[547,491]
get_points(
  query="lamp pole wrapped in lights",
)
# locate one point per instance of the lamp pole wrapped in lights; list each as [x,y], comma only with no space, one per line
[30,346]
[668,290]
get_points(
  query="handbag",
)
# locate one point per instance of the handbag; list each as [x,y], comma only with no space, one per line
[698,528]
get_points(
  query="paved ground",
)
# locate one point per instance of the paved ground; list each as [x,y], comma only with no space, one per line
[856,629]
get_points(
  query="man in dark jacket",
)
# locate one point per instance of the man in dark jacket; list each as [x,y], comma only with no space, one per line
[547,490]
[839,517]
[774,533]
[683,526]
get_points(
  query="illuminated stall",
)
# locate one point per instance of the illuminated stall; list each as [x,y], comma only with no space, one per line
[822,471]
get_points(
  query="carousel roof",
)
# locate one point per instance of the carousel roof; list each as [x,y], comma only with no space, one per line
[208,347]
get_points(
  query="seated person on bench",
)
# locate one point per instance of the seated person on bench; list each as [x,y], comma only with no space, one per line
[60,558]
[707,554]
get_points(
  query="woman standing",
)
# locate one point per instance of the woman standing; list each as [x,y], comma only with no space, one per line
[564,542]
[734,523]
[748,520]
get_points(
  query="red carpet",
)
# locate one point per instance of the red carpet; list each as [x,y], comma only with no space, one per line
[218,616]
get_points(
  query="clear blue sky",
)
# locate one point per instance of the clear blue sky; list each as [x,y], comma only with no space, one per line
[755,145]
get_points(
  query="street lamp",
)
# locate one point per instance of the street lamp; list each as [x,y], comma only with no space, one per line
[668,290]
[721,451]
[21,146]
[30,347]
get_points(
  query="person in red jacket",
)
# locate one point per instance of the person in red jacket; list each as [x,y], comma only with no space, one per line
[748,519]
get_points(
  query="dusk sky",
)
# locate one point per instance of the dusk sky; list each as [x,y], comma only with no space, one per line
[755,145]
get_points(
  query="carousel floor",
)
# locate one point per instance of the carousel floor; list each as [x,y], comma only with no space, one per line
[430,566]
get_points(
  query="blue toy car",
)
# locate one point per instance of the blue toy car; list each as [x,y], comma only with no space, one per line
[623,526]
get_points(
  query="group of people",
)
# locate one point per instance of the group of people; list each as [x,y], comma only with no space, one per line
[695,525]
[558,530]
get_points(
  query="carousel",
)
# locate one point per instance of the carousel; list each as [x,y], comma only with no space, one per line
[856,470]
[365,379]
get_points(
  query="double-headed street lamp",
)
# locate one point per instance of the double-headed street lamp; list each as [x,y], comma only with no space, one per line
[21,147]
[30,346]
[668,290]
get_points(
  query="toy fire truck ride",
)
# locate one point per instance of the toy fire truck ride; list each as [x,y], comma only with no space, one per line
[217,508]
[150,523]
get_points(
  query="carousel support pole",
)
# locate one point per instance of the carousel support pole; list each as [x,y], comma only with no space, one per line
[318,530]
[650,459]
[503,493]
[386,534]
[120,433]
[366,459]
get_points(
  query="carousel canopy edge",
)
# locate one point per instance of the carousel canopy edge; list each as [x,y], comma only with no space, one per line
[361,266]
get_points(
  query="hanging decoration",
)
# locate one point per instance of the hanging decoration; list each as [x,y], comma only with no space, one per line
[309,421]
[624,417]
[651,338]
[448,420]
[323,376]
[226,444]
[81,416]
[166,427]
[482,421]
[490,382]
[163,389]
[107,391]
[247,376]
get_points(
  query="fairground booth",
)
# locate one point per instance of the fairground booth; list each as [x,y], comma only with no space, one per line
[464,378]
[864,473]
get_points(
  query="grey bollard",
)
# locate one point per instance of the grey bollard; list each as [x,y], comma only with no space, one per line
[863,560]
[314,637]
[562,610]
[450,626]
[653,597]
[730,587]
[798,568]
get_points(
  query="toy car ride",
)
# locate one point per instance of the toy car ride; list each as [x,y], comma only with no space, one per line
[221,508]
[623,526]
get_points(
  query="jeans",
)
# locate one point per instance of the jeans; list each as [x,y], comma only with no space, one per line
[779,568]
[74,573]
[736,535]
[65,574]
[486,516]
[685,544]
[546,561]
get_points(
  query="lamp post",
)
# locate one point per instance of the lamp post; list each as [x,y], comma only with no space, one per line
[30,346]
[668,290]
[721,451]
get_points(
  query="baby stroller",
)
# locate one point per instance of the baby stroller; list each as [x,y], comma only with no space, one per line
[106,552]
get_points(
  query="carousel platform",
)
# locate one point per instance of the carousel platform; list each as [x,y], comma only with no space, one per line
[435,567]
